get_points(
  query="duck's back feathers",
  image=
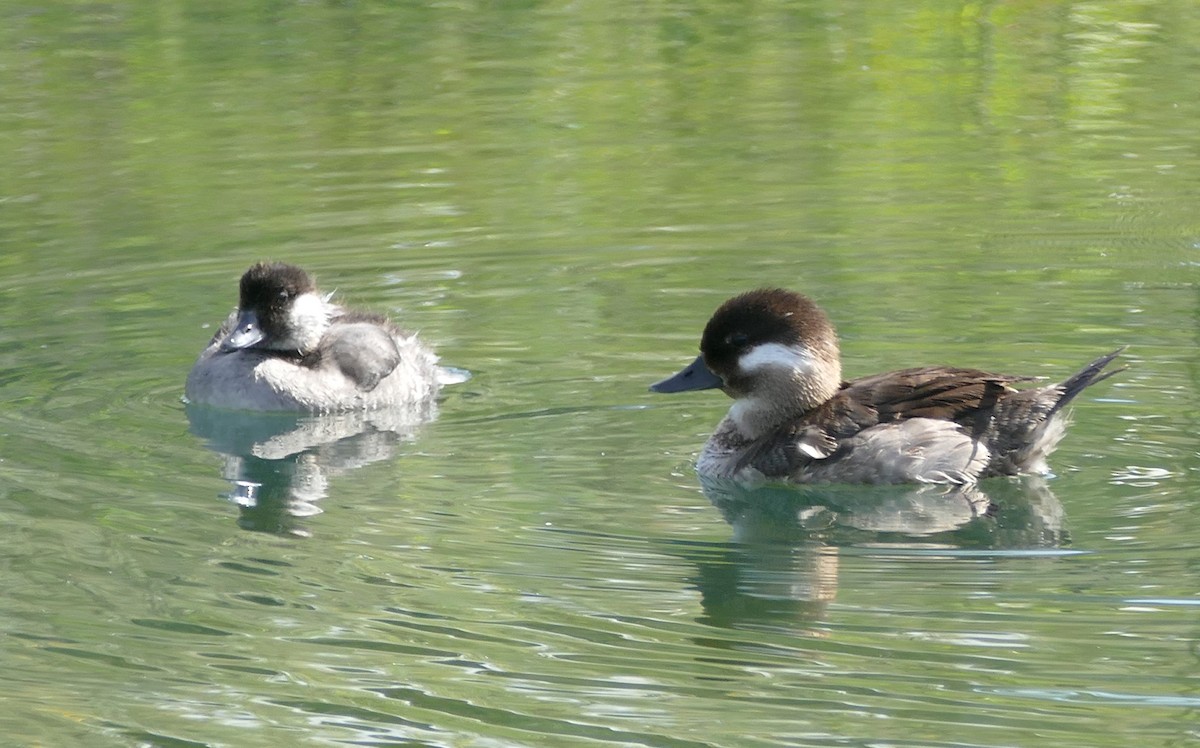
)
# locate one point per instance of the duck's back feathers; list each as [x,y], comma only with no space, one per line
[938,392]
[364,352]
[929,424]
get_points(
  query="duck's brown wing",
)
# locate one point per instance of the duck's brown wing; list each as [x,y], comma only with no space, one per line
[966,397]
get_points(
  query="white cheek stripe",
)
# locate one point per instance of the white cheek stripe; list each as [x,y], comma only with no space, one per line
[309,317]
[308,306]
[777,355]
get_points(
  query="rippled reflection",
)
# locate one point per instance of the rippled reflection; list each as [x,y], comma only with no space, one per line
[783,565]
[279,465]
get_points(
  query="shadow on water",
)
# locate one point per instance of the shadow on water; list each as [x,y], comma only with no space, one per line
[279,464]
[783,564]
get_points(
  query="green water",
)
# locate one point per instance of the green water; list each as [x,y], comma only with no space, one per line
[557,195]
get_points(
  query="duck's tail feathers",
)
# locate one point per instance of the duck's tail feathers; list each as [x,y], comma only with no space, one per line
[1085,377]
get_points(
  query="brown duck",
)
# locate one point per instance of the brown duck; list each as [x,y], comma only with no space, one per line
[794,419]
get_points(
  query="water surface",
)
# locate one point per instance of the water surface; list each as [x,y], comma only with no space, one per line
[557,196]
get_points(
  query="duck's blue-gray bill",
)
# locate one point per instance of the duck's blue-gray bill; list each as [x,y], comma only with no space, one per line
[696,376]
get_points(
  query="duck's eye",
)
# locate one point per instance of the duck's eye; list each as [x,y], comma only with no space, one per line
[737,339]
[285,294]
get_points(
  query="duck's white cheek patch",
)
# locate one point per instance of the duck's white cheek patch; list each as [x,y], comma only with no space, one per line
[308,307]
[776,355]
[308,319]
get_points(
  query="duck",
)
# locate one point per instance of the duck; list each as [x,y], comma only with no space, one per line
[288,347]
[794,420]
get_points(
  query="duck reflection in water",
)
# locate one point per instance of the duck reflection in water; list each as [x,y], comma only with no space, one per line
[782,566]
[279,465]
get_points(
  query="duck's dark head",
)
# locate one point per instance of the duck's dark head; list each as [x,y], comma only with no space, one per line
[278,309]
